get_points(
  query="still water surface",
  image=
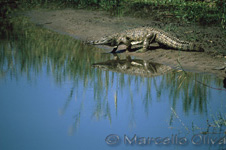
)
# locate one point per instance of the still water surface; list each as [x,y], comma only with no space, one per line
[52,98]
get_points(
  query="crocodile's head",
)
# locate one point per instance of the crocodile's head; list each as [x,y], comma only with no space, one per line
[105,41]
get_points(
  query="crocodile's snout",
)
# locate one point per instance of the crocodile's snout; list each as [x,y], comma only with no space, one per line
[89,42]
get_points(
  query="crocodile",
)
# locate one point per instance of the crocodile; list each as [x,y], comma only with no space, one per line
[146,36]
[144,68]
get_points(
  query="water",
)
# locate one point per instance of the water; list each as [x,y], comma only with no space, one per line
[51,97]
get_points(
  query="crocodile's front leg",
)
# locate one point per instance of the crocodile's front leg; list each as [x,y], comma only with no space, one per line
[147,41]
[127,42]
[124,40]
[114,49]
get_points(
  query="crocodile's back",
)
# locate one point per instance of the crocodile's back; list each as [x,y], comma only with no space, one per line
[137,34]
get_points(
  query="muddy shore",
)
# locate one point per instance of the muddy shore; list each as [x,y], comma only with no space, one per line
[91,25]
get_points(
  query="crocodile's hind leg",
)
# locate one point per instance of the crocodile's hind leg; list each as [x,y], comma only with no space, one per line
[147,41]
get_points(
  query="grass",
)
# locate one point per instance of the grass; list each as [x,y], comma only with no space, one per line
[191,12]
[203,12]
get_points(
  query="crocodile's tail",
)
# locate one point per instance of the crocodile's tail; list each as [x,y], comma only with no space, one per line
[188,47]
[178,44]
[175,43]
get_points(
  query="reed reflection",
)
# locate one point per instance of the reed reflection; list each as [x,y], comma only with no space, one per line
[34,50]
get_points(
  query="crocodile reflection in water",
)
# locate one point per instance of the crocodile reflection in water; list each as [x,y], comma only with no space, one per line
[133,66]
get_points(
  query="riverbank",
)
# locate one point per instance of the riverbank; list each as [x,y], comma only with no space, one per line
[91,25]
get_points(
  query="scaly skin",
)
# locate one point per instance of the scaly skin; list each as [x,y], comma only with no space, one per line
[146,35]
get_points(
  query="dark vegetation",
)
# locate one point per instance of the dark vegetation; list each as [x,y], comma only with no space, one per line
[195,11]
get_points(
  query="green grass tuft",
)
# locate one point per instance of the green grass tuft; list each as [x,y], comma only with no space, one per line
[197,11]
